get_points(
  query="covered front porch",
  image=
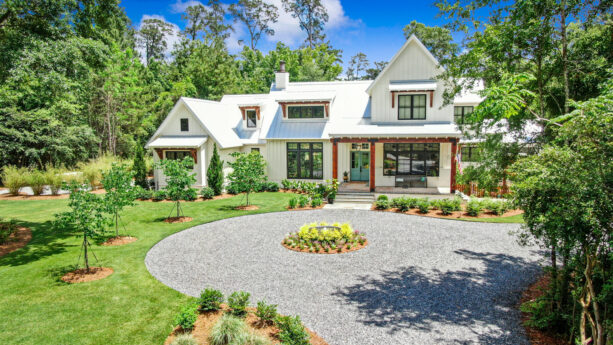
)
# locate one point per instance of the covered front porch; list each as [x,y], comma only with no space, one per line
[395,165]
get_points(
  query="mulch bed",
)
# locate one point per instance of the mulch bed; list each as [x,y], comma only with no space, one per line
[321,251]
[43,197]
[453,215]
[247,208]
[305,208]
[537,336]
[181,219]
[17,240]
[119,240]
[207,320]
[81,275]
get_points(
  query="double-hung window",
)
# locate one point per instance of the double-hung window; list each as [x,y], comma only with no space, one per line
[460,113]
[411,107]
[305,161]
[184,125]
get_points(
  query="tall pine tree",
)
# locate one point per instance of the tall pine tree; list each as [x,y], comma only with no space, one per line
[214,174]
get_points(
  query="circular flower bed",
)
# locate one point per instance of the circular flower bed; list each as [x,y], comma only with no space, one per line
[324,238]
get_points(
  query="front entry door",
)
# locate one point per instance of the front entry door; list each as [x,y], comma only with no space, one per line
[359,165]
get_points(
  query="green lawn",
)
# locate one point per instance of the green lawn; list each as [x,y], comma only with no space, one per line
[129,307]
[518,218]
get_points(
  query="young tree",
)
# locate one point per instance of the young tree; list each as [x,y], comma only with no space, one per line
[88,216]
[357,64]
[312,16]
[139,168]
[257,17]
[179,179]
[214,174]
[117,183]
[152,37]
[249,172]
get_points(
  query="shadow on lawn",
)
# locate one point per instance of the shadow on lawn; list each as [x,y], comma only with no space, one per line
[46,241]
[486,298]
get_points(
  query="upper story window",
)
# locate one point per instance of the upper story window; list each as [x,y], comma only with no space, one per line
[305,111]
[460,112]
[411,107]
[252,118]
[184,125]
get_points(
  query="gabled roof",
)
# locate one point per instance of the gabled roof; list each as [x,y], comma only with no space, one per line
[412,39]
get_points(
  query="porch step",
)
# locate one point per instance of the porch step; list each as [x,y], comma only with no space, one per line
[355,198]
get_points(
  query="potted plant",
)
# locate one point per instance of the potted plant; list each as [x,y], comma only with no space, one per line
[331,196]
[345,176]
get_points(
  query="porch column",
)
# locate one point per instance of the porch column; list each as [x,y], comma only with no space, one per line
[372,164]
[335,159]
[454,148]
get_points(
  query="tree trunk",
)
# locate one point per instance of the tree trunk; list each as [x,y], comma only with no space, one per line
[247,198]
[116,224]
[554,273]
[598,330]
[85,253]
[178,209]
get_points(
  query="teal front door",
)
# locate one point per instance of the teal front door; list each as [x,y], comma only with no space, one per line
[359,165]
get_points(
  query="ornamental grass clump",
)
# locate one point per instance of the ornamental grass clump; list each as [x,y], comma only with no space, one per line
[324,237]
[229,330]
[14,178]
[184,339]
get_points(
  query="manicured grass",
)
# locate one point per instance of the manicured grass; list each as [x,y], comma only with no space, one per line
[129,307]
[518,218]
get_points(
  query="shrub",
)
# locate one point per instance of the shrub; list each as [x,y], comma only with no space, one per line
[210,299]
[238,303]
[143,194]
[292,331]
[497,207]
[403,205]
[474,207]
[187,317]
[36,180]
[310,236]
[159,195]
[272,187]
[303,201]
[229,330]
[423,205]
[287,184]
[447,206]
[54,178]
[92,174]
[207,193]
[184,339]
[6,229]
[316,202]
[293,202]
[214,174]
[231,189]
[190,194]
[14,178]
[382,197]
[382,204]
[266,312]
[139,168]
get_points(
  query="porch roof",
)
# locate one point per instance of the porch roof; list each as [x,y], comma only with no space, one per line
[176,142]
[412,131]
[412,85]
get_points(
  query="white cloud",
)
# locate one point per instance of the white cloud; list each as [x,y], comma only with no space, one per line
[171,39]
[181,6]
[287,29]
[240,33]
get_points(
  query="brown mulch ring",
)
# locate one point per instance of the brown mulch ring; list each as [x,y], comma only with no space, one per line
[119,240]
[81,275]
[43,197]
[305,208]
[207,320]
[456,214]
[17,240]
[247,208]
[537,336]
[321,251]
[182,219]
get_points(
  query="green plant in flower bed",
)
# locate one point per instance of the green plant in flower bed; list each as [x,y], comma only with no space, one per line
[324,237]
[187,317]
[423,205]
[447,206]
[497,207]
[293,202]
[382,204]
[474,207]
[303,201]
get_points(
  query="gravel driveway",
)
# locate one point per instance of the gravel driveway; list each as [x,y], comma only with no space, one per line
[420,281]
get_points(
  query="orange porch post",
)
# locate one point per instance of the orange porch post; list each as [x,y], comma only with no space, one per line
[454,149]
[372,165]
[335,159]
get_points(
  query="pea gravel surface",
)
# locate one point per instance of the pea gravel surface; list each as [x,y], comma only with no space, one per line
[420,280]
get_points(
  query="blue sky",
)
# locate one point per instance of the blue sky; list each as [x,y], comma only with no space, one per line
[354,26]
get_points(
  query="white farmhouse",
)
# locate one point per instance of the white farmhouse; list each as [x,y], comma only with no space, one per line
[393,132]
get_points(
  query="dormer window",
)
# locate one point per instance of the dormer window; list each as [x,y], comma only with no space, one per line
[184,125]
[411,107]
[305,111]
[252,120]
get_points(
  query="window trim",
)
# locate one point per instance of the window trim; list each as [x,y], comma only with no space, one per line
[255,116]
[463,107]
[183,121]
[410,152]
[412,107]
[298,150]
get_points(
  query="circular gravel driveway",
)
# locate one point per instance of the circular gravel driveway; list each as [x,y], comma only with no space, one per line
[420,280]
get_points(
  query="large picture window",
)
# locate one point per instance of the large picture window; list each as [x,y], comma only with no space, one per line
[305,111]
[459,113]
[411,159]
[411,107]
[305,161]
